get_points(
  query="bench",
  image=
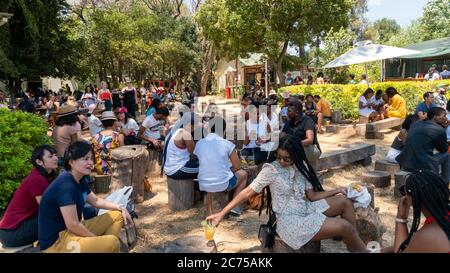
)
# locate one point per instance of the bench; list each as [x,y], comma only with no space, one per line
[376,130]
[355,153]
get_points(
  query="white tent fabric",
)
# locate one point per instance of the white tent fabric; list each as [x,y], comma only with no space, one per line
[369,53]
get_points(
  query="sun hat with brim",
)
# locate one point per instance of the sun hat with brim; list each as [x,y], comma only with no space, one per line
[108,115]
[67,110]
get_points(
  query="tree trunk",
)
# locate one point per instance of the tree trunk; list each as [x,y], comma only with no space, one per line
[120,70]
[279,64]
[208,59]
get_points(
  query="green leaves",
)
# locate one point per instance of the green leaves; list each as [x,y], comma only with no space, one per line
[20,133]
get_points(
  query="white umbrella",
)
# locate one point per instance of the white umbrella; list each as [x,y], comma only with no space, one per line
[368,52]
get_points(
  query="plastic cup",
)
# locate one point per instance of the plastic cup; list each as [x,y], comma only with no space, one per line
[328,123]
[209,232]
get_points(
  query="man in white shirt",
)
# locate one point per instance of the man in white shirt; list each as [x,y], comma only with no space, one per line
[149,131]
[214,154]
[432,75]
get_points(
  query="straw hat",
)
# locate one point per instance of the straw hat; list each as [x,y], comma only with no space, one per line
[108,115]
[67,110]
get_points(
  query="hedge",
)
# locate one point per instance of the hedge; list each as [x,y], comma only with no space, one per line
[344,98]
[20,133]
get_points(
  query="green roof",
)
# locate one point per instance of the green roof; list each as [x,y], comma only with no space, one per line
[253,59]
[432,48]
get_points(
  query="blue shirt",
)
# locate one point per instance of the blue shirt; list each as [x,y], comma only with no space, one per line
[445,75]
[64,191]
[422,107]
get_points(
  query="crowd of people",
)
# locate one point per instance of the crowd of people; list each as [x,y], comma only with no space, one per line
[52,205]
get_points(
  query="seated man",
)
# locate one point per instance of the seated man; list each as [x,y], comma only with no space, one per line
[19,225]
[214,154]
[324,111]
[423,107]
[179,161]
[423,138]
[61,228]
[150,132]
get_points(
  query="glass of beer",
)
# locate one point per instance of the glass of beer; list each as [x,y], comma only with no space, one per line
[209,232]
[328,123]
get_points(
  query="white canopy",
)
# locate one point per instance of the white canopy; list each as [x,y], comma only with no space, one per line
[369,52]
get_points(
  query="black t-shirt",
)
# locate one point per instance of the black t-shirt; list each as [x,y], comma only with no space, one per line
[299,129]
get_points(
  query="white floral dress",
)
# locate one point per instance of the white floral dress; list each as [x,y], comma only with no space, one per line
[298,219]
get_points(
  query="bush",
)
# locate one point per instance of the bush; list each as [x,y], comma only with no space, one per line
[20,133]
[344,98]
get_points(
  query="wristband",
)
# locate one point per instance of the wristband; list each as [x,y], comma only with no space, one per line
[401,221]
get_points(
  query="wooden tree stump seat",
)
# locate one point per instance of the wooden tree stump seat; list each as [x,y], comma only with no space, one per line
[379,179]
[216,201]
[181,194]
[102,183]
[400,180]
[368,225]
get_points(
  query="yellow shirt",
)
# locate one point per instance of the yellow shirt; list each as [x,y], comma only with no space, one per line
[397,109]
[324,107]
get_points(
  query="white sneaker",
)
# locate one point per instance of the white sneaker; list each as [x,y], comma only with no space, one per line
[236,211]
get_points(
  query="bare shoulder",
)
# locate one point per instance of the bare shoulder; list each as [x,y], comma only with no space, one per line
[431,238]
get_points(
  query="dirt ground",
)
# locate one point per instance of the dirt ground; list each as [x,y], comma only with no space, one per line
[158,226]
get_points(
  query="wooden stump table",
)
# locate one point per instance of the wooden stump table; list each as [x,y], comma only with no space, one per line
[369,225]
[181,194]
[386,166]
[377,178]
[129,164]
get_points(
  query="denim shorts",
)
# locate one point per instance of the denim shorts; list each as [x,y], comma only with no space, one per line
[232,183]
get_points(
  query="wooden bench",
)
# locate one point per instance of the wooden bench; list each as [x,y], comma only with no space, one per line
[376,130]
[181,194]
[355,153]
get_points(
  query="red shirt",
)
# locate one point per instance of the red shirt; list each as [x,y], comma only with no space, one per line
[106,95]
[23,205]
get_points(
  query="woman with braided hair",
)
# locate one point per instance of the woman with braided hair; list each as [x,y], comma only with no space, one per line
[429,195]
[304,211]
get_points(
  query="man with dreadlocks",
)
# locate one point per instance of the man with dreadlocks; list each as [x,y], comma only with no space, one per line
[304,211]
[429,195]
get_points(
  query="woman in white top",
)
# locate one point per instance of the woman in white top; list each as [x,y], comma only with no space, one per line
[178,161]
[365,106]
[128,127]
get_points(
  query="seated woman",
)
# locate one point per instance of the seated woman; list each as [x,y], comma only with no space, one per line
[377,101]
[399,142]
[304,211]
[61,228]
[365,106]
[104,142]
[428,195]
[253,132]
[19,225]
[311,108]
[397,106]
[67,130]
[128,127]
[178,161]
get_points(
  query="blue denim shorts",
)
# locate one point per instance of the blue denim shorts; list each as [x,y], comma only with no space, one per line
[232,183]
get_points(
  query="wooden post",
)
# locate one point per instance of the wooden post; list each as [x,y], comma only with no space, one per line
[181,194]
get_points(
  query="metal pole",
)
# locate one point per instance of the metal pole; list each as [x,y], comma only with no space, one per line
[267,78]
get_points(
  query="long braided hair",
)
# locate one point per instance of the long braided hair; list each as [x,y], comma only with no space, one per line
[429,190]
[293,146]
